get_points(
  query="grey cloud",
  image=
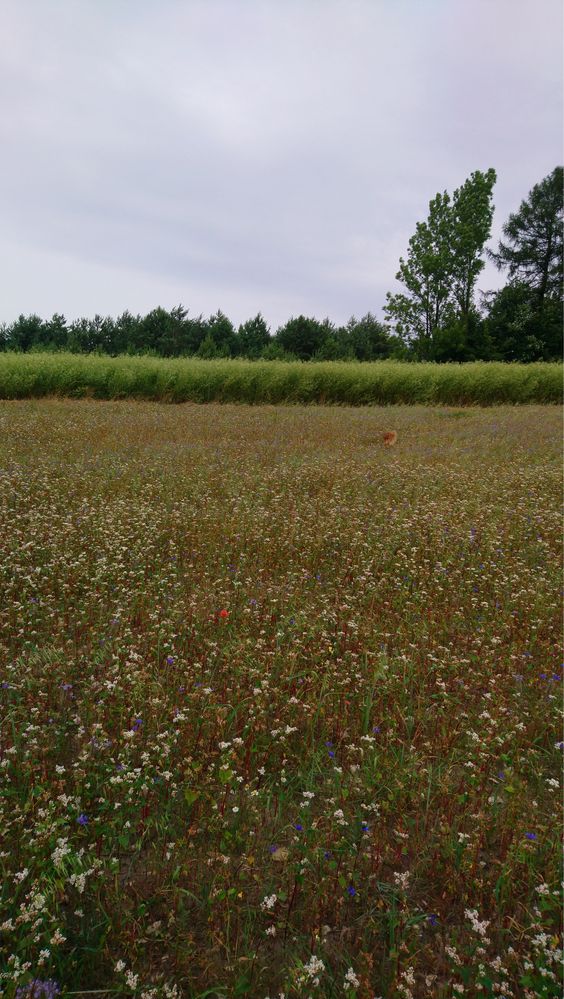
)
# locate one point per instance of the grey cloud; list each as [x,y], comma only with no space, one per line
[257,155]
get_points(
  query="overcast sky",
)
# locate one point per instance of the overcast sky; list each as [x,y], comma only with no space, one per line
[248,155]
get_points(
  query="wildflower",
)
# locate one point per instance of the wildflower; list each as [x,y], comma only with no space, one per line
[39,990]
[224,613]
[530,835]
[313,969]
[477,926]
[351,981]
[82,819]
[351,890]
[268,902]
[170,660]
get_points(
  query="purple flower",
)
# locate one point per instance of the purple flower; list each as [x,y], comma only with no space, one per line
[433,919]
[351,890]
[298,827]
[39,990]
[530,835]
[137,724]
[82,819]
[170,660]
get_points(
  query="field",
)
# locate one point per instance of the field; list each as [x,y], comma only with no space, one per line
[280,706]
[37,375]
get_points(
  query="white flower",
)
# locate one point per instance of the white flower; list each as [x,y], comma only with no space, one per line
[477,926]
[313,968]
[268,902]
[351,981]
[119,966]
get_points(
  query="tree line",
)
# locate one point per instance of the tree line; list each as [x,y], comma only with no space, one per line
[434,318]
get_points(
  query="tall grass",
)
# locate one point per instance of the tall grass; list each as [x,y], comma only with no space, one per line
[333,382]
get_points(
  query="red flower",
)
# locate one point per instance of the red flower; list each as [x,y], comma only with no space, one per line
[224,613]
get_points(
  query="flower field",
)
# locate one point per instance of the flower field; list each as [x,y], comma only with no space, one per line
[280,706]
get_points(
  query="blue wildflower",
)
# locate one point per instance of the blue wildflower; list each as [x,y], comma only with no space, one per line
[39,989]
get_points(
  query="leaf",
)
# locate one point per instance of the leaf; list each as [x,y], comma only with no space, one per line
[190,796]
[243,986]
[225,776]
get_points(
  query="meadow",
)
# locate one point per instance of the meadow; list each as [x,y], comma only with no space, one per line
[351,383]
[280,707]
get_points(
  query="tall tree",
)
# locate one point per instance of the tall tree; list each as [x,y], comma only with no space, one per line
[443,262]
[472,212]
[418,312]
[369,339]
[253,336]
[532,247]
[525,317]
[302,336]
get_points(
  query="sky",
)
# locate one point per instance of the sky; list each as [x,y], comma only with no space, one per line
[256,155]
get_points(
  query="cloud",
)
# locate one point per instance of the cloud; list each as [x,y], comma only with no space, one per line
[259,154]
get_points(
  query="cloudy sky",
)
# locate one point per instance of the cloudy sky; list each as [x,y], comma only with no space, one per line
[252,155]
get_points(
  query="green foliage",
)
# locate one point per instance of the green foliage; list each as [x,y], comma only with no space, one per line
[440,272]
[525,317]
[532,250]
[367,339]
[226,380]
[303,336]
[253,337]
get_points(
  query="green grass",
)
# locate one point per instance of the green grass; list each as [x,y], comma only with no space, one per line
[275,698]
[35,375]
